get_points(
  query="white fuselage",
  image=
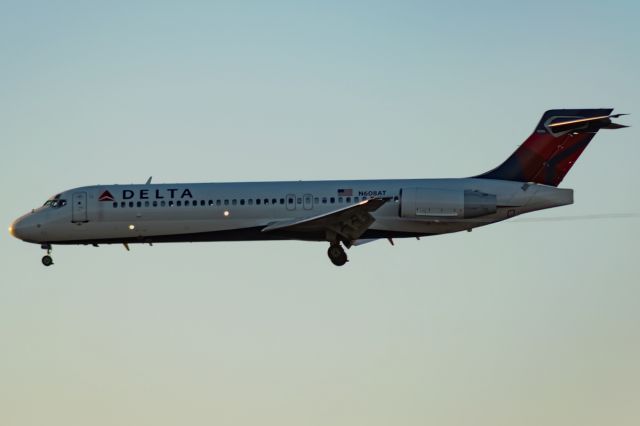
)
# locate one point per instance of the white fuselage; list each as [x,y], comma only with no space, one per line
[241,211]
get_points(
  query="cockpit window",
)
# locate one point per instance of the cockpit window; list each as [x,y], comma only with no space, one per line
[55,202]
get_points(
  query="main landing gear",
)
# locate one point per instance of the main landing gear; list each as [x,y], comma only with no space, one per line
[47,260]
[337,254]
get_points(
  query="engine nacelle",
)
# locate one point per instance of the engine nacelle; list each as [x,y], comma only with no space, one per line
[445,203]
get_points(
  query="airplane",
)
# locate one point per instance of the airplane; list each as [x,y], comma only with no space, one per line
[344,213]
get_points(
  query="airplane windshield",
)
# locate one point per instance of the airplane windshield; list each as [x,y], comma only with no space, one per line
[55,202]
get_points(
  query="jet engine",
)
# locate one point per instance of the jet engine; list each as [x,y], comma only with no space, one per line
[445,203]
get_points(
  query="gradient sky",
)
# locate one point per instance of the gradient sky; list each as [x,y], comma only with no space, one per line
[519,323]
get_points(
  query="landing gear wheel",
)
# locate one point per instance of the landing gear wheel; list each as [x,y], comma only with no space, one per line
[337,255]
[47,260]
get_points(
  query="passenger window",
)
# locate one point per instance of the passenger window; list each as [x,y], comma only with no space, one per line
[324,200]
[348,199]
[202,202]
[250,201]
[257,201]
[146,204]
[266,201]
[332,199]
[316,200]
[291,201]
[115,205]
[340,199]
[281,200]
[130,203]
[162,203]
[226,202]
[155,204]
[356,199]
[178,203]
[210,203]
[234,202]
[274,201]
[242,202]
[218,202]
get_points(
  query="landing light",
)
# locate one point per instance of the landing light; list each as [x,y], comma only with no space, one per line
[226,213]
[132,227]
[11,230]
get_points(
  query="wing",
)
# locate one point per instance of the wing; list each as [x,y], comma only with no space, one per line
[348,223]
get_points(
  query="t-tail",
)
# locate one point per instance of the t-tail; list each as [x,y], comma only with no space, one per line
[555,145]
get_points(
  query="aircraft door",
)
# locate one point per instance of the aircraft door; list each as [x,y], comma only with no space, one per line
[79,207]
[307,202]
[291,202]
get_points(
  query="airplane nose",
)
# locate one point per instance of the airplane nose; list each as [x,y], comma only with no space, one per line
[24,228]
[16,229]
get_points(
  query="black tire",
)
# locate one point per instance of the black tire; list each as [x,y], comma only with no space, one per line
[337,255]
[47,260]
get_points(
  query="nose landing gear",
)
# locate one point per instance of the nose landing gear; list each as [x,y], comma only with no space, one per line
[47,260]
[337,254]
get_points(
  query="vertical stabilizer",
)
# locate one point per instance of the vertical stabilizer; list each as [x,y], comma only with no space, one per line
[554,146]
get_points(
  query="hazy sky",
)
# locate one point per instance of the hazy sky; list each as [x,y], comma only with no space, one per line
[526,323]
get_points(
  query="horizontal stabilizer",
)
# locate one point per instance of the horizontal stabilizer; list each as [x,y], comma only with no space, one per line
[590,124]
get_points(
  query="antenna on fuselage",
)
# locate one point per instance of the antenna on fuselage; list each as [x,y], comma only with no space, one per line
[149,180]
